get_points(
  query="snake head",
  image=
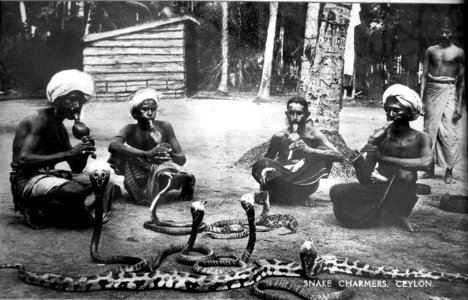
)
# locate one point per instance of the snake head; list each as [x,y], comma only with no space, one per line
[308,256]
[99,175]
[197,208]
[247,202]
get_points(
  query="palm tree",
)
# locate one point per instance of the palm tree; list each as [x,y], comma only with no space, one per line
[326,73]
[264,92]
[310,41]
[223,84]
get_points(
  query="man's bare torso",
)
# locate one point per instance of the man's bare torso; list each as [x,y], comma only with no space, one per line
[146,139]
[404,145]
[309,136]
[444,61]
[52,134]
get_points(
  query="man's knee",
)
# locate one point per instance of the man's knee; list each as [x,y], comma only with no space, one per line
[335,191]
[72,191]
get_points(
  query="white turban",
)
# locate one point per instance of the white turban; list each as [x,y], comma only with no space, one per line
[139,96]
[68,81]
[407,97]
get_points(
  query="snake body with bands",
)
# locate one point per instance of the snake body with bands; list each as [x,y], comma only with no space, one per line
[232,265]
[198,210]
[168,227]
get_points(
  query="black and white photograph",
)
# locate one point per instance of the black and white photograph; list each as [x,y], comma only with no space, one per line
[233,150]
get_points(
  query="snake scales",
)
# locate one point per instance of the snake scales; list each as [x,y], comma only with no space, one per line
[235,228]
[168,227]
[311,265]
[232,263]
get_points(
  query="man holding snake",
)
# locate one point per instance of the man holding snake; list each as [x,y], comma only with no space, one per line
[304,157]
[148,153]
[387,174]
[41,192]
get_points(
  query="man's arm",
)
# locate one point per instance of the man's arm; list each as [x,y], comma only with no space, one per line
[28,157]
[425,71]
[423,163]
[331,152]
[273,147]
[176,154]
[117,145]
[460,86]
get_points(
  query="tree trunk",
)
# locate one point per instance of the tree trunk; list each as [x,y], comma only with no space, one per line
[264,92]
[325,82]
[310,41]
[223,84]
[22,8]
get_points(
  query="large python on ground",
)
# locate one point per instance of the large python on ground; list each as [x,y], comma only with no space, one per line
[339,265]
[168,227]
[156,279]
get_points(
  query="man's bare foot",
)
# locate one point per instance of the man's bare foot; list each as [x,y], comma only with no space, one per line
[407,225]
[449,177]
[260,197]
[33,219]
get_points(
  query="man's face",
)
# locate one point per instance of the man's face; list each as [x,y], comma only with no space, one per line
[444,34]
[296,113]
[70,104]
[396,111]
[147,109]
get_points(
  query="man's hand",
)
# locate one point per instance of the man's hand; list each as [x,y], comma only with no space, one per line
[82,149]
[159,153]
[299,145]
[457,114]
[372,151]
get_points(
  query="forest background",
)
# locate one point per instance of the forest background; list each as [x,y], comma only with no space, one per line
[41,38]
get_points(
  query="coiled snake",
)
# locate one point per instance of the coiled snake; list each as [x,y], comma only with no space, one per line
[233,263]
[168,227]
[311,265]
[235,228]
[198,210]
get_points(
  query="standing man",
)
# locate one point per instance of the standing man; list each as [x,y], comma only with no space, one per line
[442,89]
[40,191]
[304,157]
[148,153]
[362,60]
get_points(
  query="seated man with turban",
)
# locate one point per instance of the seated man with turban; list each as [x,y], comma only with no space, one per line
[387,167]
[304,154]
[148,153]
[41,192]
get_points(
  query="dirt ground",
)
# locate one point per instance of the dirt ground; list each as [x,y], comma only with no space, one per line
[214,134]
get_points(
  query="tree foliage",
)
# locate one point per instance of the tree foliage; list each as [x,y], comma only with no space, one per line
[51,39]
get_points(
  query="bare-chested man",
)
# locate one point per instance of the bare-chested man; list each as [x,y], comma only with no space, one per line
[148,153]
[304,157]
[41,141]
[388,173]
[442,89]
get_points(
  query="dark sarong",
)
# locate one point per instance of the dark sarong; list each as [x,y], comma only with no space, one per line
[287,187]
[32,190]
[358,205]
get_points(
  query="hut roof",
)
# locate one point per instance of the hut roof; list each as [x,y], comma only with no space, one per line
[109,34]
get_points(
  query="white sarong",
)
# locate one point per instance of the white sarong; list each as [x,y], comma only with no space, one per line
[441,96]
